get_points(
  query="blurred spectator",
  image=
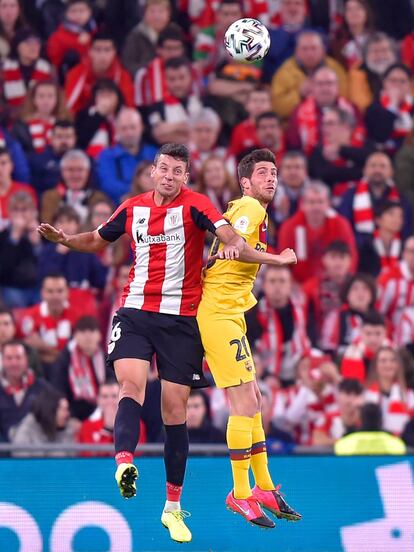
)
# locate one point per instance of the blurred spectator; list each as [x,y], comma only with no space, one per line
[99,427]
[141,181]
[270,134]
[407,51]
[215,181]
[72,39]
[47,422]
[370,439]
[351,37]
[18,386]
[199,424]
[80,368]
[304,129]
[47,326]
[340,158]
[365,79]
[150,83]
[283,37]
[377,185]
[116,165]
[323,290]
[21,170]
[408,434]
[345,419]
[292,180]
[342,326]
[311,229]
[140,46]
[11,20]
[52,13]
[44,104]
[292,82]
[205,128]
[24,67]
[169,119]
[395,18]
[404,168]
[74,190]
[7,329]
[359,354]
[95,125]
[388,388]
[45,166]
[396,285]
[389,117]
[82,270]
[9,187]
[297,408]
[101,62]
[277,326]
[209,50]
[243,136]
[383,249]
[19,250]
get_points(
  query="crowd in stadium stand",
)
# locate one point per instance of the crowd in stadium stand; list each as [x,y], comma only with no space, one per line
[91,88]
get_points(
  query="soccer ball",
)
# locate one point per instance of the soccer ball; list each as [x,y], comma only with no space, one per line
[247,40]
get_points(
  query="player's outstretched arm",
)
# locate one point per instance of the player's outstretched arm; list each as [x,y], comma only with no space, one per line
[87,242]
[250,255]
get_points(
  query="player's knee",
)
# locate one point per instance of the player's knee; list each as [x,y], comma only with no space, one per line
[131,390]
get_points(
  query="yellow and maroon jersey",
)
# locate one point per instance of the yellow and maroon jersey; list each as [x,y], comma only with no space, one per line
[227,285]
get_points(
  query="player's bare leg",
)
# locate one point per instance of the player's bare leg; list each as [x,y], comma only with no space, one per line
[174,413]
[265,492]
[243,406]
[132,376]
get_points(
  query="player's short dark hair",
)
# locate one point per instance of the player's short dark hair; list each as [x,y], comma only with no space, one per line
[339,247]
[5,151]
[177,62]
[246,165]
[385,206]
[177,151]
[171,32]
[86,323]
[373,318]
[267,115]
[367,279]
[63,123]
[351,386]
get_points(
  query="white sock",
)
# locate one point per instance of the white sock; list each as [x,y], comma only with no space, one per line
[171,506]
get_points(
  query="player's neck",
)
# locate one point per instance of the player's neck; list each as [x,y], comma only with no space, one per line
[263,203]
[160,200]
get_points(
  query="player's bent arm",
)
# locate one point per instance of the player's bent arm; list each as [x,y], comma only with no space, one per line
[87,242]
[250,255]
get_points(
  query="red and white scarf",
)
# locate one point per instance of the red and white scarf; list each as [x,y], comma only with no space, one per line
[85,373]
[14,86]
[309,117]
[353,365]
[396,408]
[363,213]
[18,391]
[271,342]
[404,111]
[388,258]
[40,132]
[340,328]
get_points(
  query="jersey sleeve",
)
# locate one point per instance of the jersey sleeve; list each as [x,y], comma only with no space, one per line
[247,218]
[115,226]
[205,216]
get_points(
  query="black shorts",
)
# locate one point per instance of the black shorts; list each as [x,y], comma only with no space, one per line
[174,339]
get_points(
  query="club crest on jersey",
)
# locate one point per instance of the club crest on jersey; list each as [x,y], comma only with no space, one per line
[241,224]
[173,219]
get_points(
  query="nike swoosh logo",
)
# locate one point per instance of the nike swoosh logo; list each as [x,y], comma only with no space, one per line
[245,512]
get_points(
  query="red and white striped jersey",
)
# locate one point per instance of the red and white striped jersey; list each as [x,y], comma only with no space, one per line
[395,292]
[167,242]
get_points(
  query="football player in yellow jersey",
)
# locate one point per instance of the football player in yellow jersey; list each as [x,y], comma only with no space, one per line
[227,295]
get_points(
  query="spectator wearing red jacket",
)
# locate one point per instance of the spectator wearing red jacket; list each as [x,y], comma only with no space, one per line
[24,67]
[9,187]
[72,39]
[311,229]
[101,62]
